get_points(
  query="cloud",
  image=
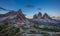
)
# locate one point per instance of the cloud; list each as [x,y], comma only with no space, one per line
[2,8]
[38,8]
[29,6]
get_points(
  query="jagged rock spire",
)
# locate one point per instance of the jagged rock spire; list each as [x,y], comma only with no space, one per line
[20,11]
[39,15]
[46,16]
[35,16]
[20,15]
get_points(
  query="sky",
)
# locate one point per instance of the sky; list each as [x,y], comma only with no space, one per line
[31,7]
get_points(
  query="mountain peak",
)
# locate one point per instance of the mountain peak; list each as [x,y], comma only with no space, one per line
[39,13]
[39,16]
[46,16]
[19,11]
[35,16]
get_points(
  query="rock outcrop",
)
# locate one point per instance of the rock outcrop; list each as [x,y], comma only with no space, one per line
[13,16]
[10,13]
[21,15]
[35,16]
[39,16]
[46,16]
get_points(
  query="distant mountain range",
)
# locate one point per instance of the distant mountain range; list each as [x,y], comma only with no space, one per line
[40,16]
[14,16]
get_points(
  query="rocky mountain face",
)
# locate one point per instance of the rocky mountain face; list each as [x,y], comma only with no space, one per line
[11,13]
[46,16]
[39,16]
[35,16]
[13,16]
[21,15]
[2,15]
